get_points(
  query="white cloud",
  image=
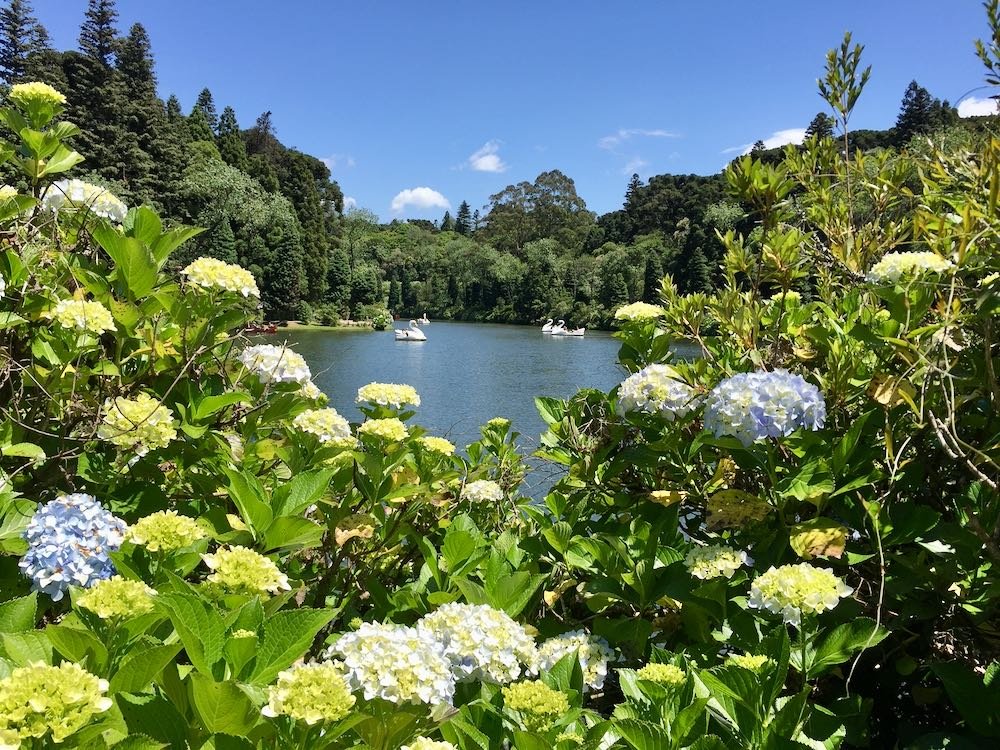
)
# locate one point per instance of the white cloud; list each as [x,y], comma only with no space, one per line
[973,107]
[349,203]
[775,140]
[338,160]
[419,197]
[611,142]
[487,159]
[634,165]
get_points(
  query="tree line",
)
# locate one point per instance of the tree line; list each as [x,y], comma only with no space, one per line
[534,251]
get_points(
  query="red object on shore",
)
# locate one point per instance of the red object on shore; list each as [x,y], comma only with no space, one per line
[263,328]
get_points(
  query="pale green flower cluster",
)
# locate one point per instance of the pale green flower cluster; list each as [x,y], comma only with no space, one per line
[240,570]
[500,422]
[311,391]
[794,590]
[141,423]
[7,191]
[639,311]
[390,429]
[538,705]
[211,273]
[327,425]
[790,296]
[25,95]
[594,654]
[656,390]
[75,194]
[893,266]
[311,693]
[715,561]
[165,531]
[117,599]
[663,674]
[753,662]
[388,394]
[396,663]
[438,445]
[275,364]
[482,643]
[243,633]
[83,315]
[41,702]
[482,491]
[425,743]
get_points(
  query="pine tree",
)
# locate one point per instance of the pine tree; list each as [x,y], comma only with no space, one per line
[820,127]
[21,35]
[98,34]
[632,191]
[338,281]
[916,113]
[395,294]
[231,146]
[206,103]
[463,219]
[44,63]
[697,275]
[651,278]
[477,222]
[447,223]
[144,118]
[221,242]
[617,292]
[757,149]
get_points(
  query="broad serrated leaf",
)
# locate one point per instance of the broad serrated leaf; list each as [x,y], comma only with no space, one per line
[140,668]
[287,636]
[19,615]
[199,627]
[222,707]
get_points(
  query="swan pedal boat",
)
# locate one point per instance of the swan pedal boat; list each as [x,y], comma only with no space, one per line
[413,333]
[547,328]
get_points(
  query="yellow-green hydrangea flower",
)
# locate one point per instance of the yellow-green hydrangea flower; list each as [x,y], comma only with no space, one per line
[141,423]
[893,266]
[311,693]
[715,561]
[790,297]
[7,191]
[388,394]
[327,425]
[391,429]
[25,95]
[482,491]
[593,652]
[500,422]
[211,273]
[639,311]
[792,590]
[537,705]
[117,599]
[426,743]
[165,531]
[41,702]
[438,445]
[664,674]
[243,633]
[240,570]
[753,662]
[83,315]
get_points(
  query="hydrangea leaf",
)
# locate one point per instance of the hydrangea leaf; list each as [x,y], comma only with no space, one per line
[287,635]
[818,537]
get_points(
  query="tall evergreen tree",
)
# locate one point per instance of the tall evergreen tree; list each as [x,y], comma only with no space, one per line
[231,146]
[21,35]
[821,126]
[477,221]
[447,223]
[143,116]
[98,33]
[651,278]
[916,113]
[395,295]
[632,191]
[463,219]
[206,103]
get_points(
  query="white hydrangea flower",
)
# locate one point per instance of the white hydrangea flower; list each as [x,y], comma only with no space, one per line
[792,590]
[482,491]
[83,315]
[275,364]
[75,194]
[482,643]
[396,663]
[395,395]
[639,311]
[893,266]
[715,561]
[594,654]
[311,391]
[655,390]
[210,273]
[327,425]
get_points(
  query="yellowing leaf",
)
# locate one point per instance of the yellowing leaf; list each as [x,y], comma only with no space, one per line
[818,537]
[667,497]
[892,391]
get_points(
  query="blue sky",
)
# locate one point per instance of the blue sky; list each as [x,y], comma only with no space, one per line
[416,106]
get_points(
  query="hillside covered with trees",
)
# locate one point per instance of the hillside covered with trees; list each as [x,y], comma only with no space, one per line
[534,251]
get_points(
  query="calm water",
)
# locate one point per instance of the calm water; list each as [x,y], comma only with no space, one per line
[465,373]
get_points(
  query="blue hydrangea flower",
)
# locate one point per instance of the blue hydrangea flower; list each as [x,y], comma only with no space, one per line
[69,541]
[758,405]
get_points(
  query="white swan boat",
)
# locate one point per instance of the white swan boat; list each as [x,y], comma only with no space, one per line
[413,333]
[575,332]
[424,320]
[547,328]
[559,328]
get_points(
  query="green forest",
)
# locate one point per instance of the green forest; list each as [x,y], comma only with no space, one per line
[534,251]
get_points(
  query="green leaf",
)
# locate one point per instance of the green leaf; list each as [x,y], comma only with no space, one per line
[211,405]
[642,735]
[9,319]
[23,450]
[845,640]
[143,224]
[133,262]
[514,592]
[818,537]
[290,532]
[222,706]
[79,645]
[63,160]
[248,496]
[171,240]
[978,704]
[24,648]
[306,489]
[551,410]
[287,635]
[139,742]
[19,615]
[199,627]
[140,668]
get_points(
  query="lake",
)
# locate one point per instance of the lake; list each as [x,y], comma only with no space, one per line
[465,373]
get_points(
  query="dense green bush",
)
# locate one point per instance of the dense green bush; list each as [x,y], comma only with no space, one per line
[790,541]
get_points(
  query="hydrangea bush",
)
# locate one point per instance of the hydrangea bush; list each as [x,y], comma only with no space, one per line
[788,541]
